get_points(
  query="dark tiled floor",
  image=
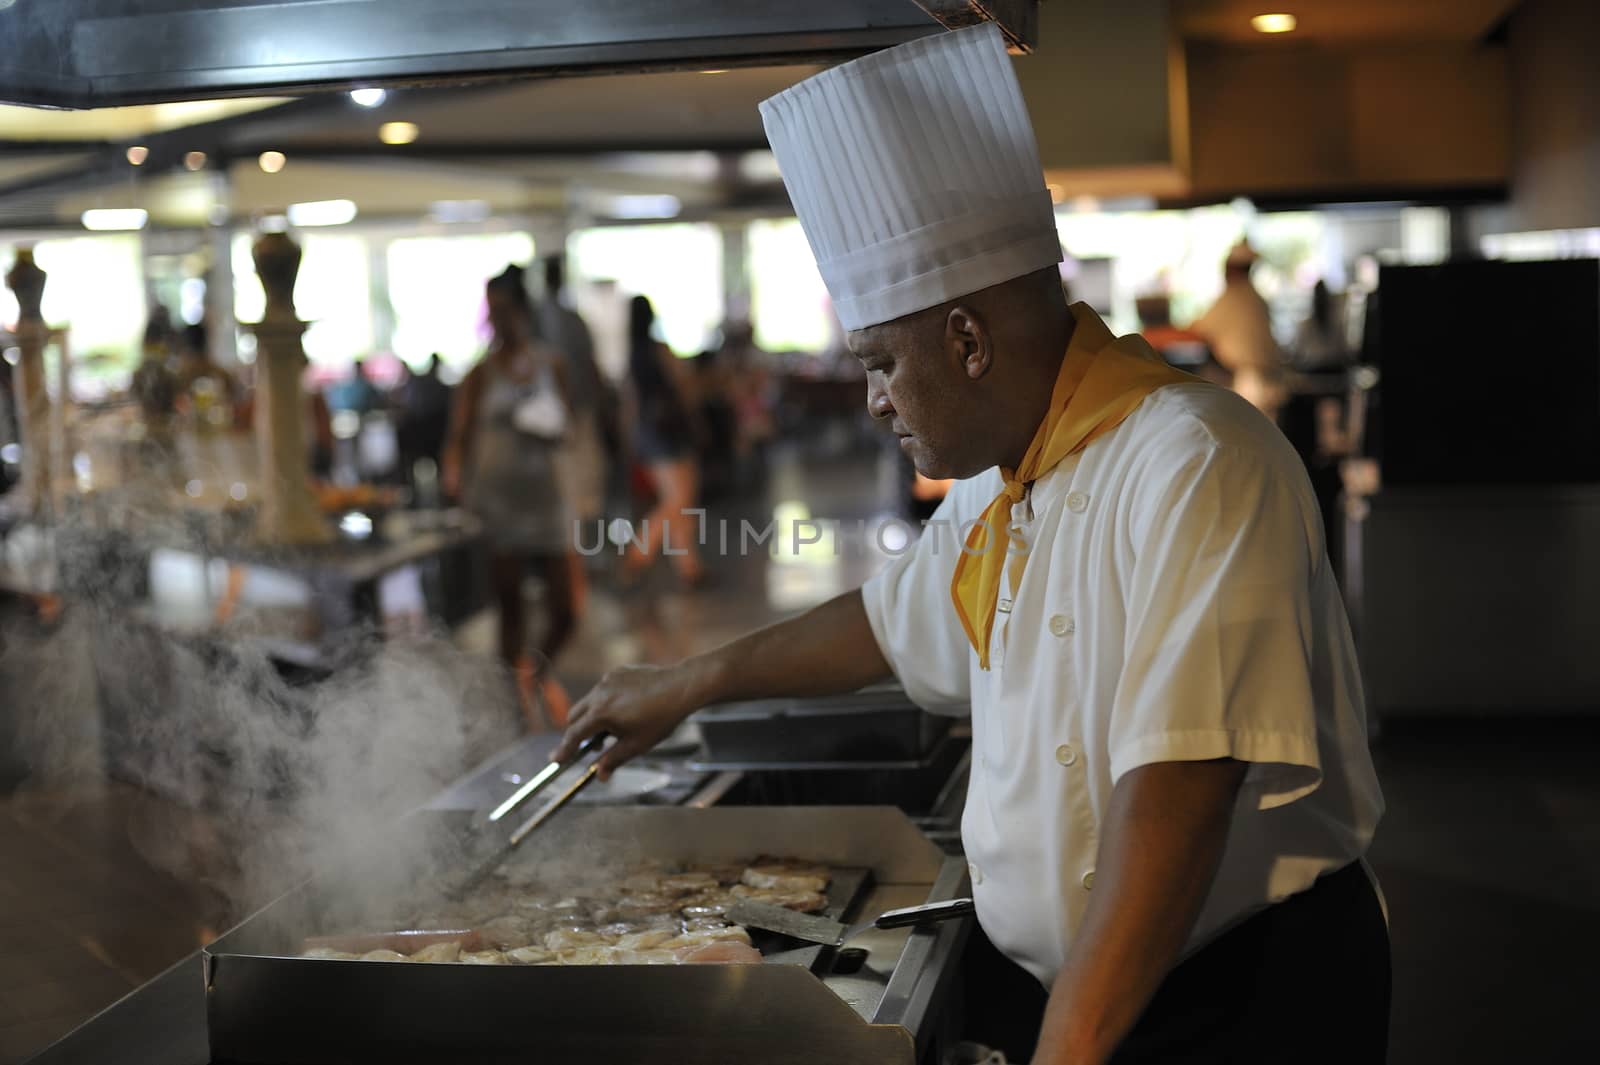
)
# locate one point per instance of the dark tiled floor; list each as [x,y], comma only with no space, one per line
[1490,854]
[1490,858]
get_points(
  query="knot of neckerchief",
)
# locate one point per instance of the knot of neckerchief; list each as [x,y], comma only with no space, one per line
[1101,381]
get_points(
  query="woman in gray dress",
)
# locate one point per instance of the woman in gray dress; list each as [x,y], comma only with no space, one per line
[500,461]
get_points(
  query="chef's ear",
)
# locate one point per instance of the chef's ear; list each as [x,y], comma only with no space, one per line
[968,339]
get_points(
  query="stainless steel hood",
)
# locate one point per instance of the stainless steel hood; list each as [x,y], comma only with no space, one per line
[98,53]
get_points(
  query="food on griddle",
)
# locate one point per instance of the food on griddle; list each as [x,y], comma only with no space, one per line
[655,915]
[725,953]
[785,874]
[803,901]
[439,952]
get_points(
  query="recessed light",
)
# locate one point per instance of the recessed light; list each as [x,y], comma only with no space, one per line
[368,97]
[713,71]
[398,132]
[115,218]
[1275,22]
[138,154]
[194,160]
[322,213]
[272,162]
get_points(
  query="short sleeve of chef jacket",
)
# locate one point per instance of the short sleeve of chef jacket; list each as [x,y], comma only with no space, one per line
[1220,630]
[909,608]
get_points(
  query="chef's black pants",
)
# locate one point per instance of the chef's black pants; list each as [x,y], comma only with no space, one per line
[1303,982]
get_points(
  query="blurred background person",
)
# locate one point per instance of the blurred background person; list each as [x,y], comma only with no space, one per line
[1314,413]
[424,419]
[357,391]
[663,437]
[507,423]
[206,389]
[752,394]
[1319,341]
[710,394]
[582,460]
[1238,328]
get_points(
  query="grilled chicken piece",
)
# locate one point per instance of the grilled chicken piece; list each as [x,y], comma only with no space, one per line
[786,874]
[728,952]
[438,952]
[801,901]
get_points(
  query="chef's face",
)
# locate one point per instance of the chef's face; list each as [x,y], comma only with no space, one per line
[920,381]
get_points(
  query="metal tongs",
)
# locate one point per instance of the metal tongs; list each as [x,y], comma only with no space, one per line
[533,786]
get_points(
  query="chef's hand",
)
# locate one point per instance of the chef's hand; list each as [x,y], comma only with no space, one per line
[639,705]
[828,650]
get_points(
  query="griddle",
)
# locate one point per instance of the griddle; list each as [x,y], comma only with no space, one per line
[266,1005]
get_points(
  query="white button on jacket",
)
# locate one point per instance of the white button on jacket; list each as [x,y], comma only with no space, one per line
[1212,628]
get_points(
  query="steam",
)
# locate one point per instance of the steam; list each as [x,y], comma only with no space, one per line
[268,779]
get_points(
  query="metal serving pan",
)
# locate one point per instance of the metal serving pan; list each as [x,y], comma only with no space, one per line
[264,1005]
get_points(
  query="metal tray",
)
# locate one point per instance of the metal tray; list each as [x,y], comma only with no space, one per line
[873,728]
[265,1006]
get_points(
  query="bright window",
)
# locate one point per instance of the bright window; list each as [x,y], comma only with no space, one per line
[677,265]
[789,303]
[96,287]
[332,292]
[436,292]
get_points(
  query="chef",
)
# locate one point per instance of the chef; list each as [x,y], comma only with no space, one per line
[1171,791]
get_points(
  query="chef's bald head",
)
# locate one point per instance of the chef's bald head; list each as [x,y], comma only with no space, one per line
[963,383]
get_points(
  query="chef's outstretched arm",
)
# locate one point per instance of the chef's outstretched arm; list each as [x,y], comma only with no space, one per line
[1159,849]
[826,650]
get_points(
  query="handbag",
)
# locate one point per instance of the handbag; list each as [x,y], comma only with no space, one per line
[541,415]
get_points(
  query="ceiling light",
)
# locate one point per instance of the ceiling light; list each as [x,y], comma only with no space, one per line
[322,213]
[272,162]
[138,154]
[714,71]
[368,97]
[115,218]
[645,207]
[272,223]
[1277,22]
[458,211]
[194,160]
[398,132]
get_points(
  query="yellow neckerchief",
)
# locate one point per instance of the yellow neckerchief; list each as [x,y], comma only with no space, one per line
[1102,380]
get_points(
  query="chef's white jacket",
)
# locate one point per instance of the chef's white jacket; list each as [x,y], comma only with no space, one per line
[1176,604]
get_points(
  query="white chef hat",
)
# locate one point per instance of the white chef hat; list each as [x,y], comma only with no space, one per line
[915,175]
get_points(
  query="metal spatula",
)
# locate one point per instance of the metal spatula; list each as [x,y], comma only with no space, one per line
[480,873]
[832,933]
